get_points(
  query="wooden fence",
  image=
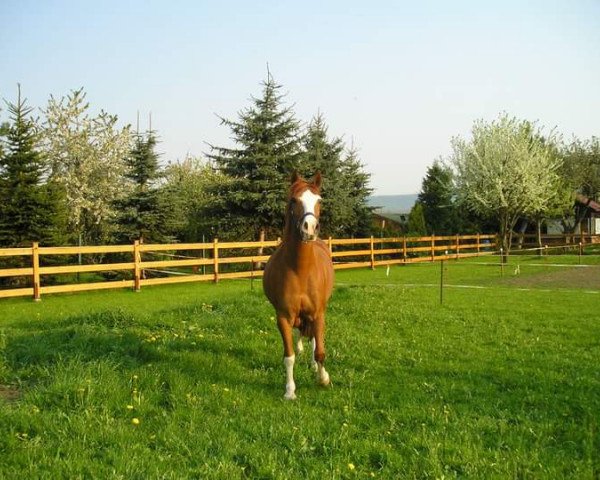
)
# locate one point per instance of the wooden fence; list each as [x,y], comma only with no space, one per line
[530,241]
[50,269]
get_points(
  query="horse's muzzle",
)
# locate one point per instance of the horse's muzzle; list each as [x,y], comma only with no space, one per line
[309,227]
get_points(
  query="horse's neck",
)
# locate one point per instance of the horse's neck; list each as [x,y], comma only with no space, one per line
[300,255]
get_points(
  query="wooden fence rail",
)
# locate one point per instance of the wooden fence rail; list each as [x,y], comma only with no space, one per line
[46,269]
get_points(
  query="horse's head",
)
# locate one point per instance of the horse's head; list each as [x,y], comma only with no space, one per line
[304,207]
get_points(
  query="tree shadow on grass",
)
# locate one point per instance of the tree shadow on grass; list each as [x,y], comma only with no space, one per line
[35,351]
[36,347]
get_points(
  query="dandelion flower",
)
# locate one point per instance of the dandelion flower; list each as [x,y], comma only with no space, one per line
[129,407]
[135,421]
[351,466]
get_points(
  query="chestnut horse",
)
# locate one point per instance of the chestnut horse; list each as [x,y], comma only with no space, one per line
[298,279]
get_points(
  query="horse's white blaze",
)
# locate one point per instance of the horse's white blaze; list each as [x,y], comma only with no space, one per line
[290,385]
[309,202]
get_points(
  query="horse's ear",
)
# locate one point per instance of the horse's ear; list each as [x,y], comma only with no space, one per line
[295,177]
[317,179]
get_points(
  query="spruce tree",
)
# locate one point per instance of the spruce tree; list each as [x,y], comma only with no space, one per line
[345,184]
[416,220]
[356,180]
[27,205]
[141,216]
[436,198]
[266,152]
[325,155]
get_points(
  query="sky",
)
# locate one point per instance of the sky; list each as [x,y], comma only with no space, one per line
[395,79]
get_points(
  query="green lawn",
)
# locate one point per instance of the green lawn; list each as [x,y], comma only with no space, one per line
[501,381]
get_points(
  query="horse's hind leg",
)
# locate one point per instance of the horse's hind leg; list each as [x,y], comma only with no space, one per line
[285,328]
[298,341]
[313,362]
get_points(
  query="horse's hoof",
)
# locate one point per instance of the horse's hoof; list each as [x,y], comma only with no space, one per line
[289,396]
[324,379]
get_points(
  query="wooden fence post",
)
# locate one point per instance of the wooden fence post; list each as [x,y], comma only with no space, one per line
[457,246]
[137,271]
[330,245]
[36,271]
[478,245]
[404,252]
[432,248]
[372,245]
[216,259]
[261,250]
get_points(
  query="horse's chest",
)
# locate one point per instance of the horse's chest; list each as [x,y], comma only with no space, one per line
[306,295]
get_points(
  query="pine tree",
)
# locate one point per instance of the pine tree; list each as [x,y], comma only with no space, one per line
[325,155]
[27,205]
[436,198]
[345,185]
[141,214]
[356,181]
[416,220]
[266,153]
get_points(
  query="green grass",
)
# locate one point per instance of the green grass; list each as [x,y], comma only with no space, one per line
[497,382]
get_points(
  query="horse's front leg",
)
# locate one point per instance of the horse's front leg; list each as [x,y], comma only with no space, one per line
[285,328]
[319,351]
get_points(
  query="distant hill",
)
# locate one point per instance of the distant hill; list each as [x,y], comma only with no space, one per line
[392,203]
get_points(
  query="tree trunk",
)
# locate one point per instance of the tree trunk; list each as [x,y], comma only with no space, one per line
[538,235]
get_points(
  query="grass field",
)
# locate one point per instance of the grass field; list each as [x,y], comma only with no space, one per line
[187,381]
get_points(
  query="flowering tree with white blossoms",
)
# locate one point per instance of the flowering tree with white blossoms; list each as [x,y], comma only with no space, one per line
[508,170]
[86,156]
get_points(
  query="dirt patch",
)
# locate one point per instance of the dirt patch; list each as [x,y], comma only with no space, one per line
[9,394]
[585,278]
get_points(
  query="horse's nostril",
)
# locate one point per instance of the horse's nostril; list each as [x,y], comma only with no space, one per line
[317,227]
[305,225]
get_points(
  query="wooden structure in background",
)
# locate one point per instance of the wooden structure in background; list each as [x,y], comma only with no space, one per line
[147,264]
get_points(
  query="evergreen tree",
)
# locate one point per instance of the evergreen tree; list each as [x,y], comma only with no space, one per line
[416,220]
[266,153]
[436,198]
[325,155]
[357,181]
[27,208]
[141,214]
[345,184]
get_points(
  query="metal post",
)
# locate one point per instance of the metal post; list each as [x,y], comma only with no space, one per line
[442,281]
